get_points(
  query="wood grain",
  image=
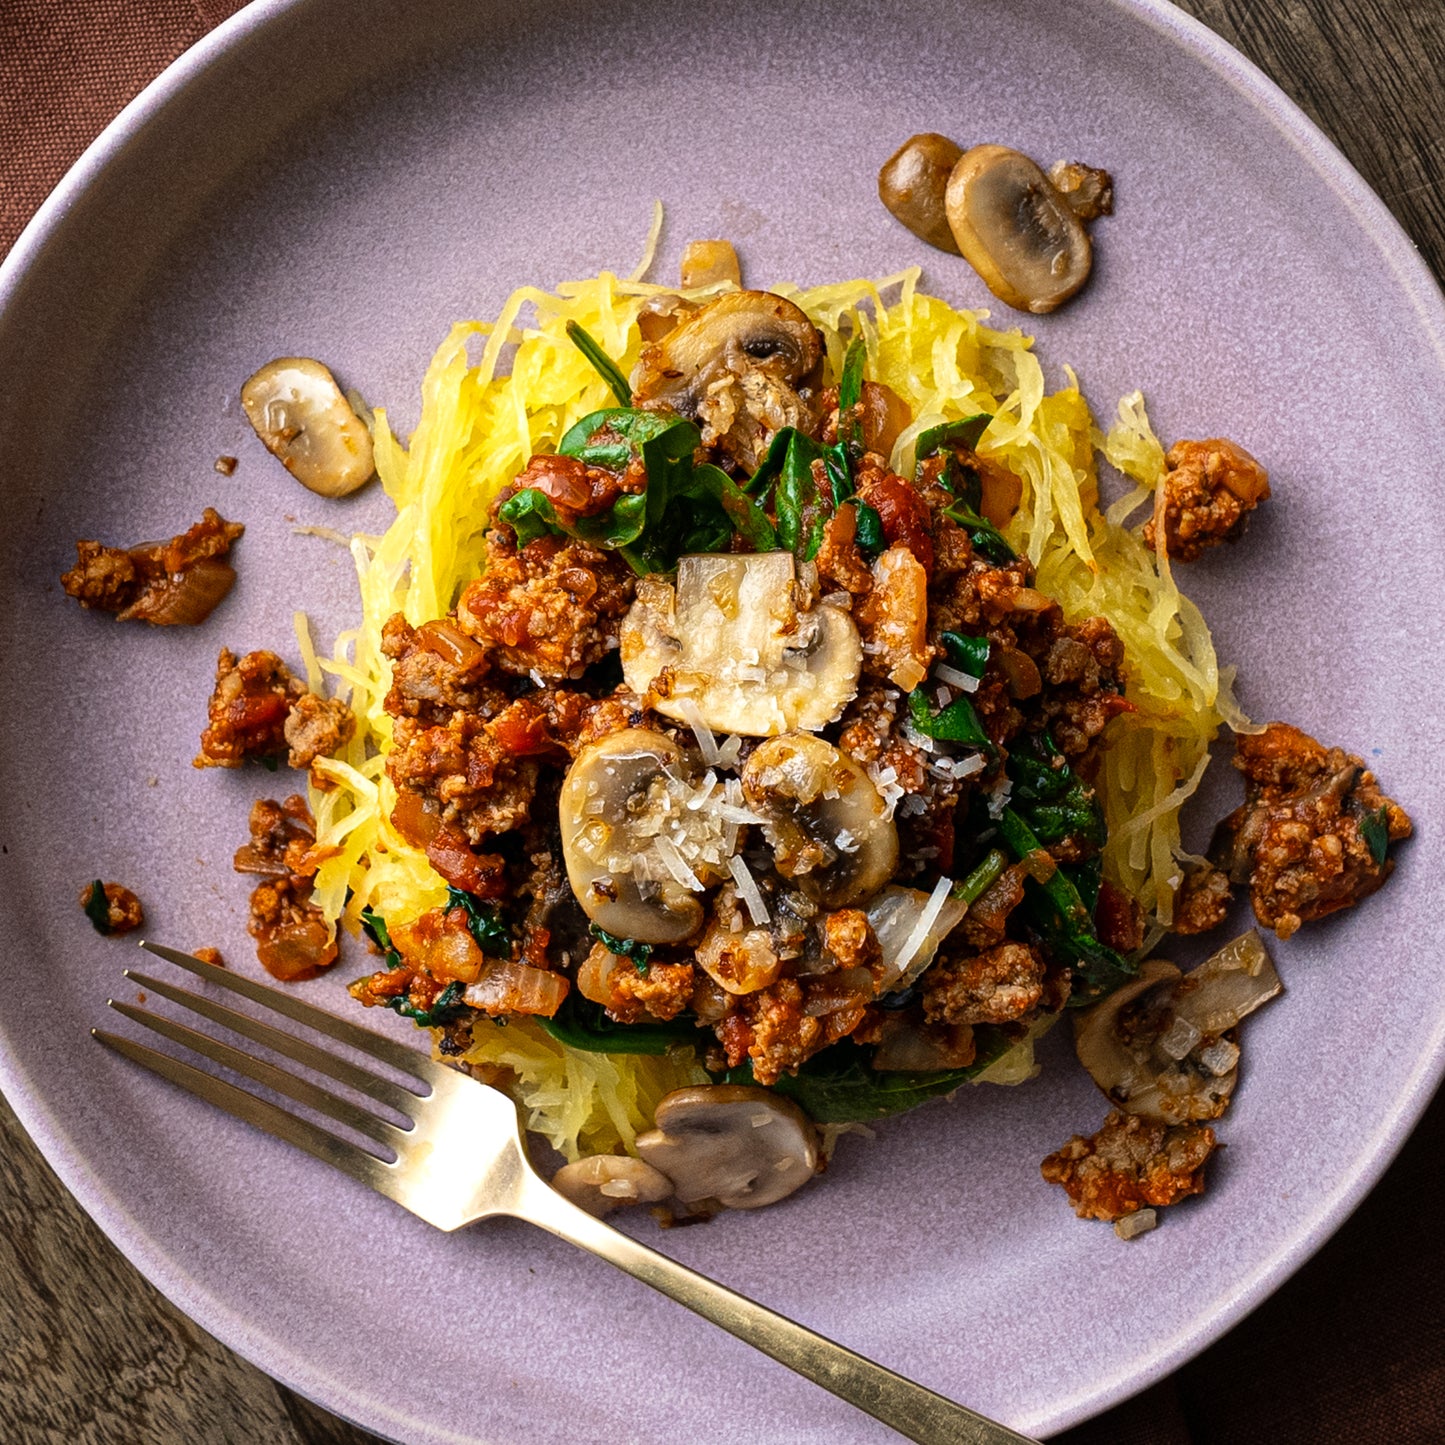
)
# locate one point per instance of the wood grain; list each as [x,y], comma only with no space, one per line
[92,1355]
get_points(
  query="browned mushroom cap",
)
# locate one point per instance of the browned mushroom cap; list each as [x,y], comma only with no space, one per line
[1157,1046]
[913,183]
[1015,229]
[740,331]
[743,1146]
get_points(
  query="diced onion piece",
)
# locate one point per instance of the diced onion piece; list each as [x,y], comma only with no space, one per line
[517,988]
[909,925]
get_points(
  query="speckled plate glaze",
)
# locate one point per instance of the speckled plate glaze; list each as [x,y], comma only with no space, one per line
[343,180]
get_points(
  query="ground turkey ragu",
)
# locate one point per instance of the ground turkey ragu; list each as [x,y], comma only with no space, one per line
[494,703]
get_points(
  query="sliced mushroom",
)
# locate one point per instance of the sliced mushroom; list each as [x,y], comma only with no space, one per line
[298,411]
[743,367]
[601,1183]
[709,263]
[1158,1047]
[913,183]
[638,858]
[734,1143]
[1016,230]
[743,330]
[828,827]
[729,646]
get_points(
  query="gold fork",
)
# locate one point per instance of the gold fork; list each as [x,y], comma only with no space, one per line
[461,1158]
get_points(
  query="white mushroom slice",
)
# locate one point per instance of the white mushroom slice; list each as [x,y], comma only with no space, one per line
[730,641]
[828,827]
[740,1145]
[1154,1046]
[601,1183]
[638,857]
[1016,230]
[909,925]
[298,411]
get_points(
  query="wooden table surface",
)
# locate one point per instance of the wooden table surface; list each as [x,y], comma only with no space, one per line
[89,1352]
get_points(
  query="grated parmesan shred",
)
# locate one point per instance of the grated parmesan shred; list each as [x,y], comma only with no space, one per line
[748,889]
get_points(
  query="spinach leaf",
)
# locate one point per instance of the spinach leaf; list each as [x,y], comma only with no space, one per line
[447,1006]
[603,364]
[950,434]
[739,512]
[800,510]
[1050,797]
[581,1024]
[953,439]
[97,908]
[957,723]
[1066,922]
[967,654]
[841,1086]
[981,877]
[1375,830]
[373,925]
[871,541]
[639,953]
[484,923]
[987,540]
[530,514]
[685,507]
[613,436]
[850,392]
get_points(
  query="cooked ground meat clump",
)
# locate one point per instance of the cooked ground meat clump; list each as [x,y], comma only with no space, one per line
[1210,488]
[259,710]
[117,911]
[1131,1164]
[550,608]
[293,939]
[164,583]
[1313,834]
[1203,900]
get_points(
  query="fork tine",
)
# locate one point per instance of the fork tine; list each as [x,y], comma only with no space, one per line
[395,1096]
[267,1075]
[260,1113]
[419,1066]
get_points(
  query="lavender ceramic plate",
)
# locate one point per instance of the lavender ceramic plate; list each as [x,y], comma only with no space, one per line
[344,179]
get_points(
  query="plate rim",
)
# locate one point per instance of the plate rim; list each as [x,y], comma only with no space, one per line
[1409,270]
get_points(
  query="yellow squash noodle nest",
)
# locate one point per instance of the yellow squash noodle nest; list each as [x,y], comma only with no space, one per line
[498,392]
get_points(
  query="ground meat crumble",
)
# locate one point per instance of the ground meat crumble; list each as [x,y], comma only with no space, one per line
[164,583]
[1209,489]
[1312,835]
[1131,1164]
[293,939]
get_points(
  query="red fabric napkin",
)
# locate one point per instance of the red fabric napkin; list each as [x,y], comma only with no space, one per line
[1351,1350]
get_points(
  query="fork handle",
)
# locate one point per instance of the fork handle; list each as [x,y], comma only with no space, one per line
[916,1413]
